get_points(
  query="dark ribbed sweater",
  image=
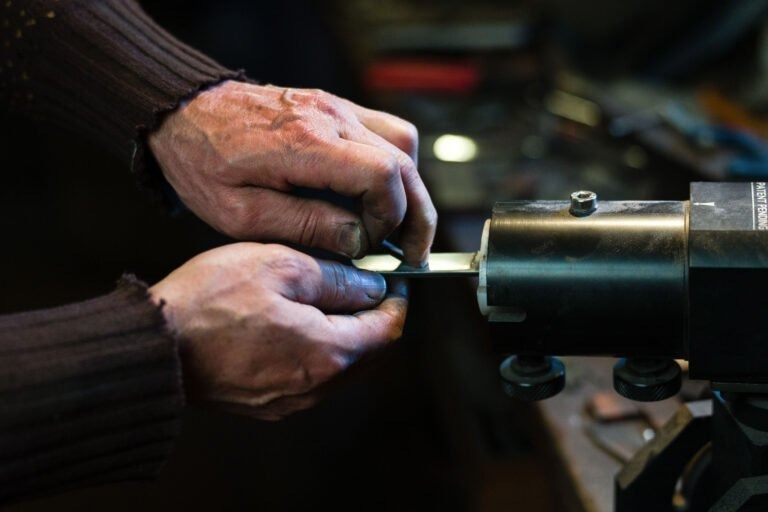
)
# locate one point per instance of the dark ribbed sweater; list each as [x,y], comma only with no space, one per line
[100,67]
[90,392]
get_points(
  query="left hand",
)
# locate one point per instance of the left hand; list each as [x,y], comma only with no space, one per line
[235,152]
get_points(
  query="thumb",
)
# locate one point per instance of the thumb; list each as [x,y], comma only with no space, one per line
[346,289]
[307,222]
[335,288]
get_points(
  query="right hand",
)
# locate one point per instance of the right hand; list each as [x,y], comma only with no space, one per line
[261,327]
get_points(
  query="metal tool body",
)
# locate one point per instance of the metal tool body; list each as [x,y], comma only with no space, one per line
[646,281]
[625,260]
[673,279]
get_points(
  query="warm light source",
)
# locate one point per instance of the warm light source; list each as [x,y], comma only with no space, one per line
[454,148]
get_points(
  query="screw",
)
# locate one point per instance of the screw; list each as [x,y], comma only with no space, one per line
[583,202]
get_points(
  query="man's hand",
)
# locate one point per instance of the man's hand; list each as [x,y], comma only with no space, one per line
[235,152]
[262,326]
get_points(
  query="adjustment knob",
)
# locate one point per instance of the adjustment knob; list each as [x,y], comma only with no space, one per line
[646,380]
[532,378]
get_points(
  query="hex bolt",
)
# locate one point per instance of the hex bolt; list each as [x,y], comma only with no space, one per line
[583,203]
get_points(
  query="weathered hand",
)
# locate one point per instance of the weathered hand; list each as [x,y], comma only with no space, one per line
[260,327]
[235,152]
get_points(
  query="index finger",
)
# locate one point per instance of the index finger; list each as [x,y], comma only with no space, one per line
[393,129]
[420,221]
[355,169]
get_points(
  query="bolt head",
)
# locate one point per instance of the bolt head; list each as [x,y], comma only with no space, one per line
[583,202]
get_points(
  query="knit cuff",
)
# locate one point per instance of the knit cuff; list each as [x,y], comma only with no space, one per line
[103,67]
[89,393]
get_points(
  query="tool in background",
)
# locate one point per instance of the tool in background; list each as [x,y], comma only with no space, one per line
[744,154]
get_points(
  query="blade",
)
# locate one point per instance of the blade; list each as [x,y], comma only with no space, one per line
[445,264]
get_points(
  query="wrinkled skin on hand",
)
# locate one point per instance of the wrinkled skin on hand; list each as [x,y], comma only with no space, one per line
[262,327]
[235,152]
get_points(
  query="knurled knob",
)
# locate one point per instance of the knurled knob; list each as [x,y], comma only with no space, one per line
[647,380]
[532,378]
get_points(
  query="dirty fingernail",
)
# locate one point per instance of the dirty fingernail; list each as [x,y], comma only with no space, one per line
[421,262]
[351,240]
[374,284]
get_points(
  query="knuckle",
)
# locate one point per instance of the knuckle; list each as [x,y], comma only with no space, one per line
[411,131]
[389,221]
[326,367]
[243,218]
[271,320]
[323,101]
[303,379]
[316,370]
[302,135]
[287,265]
[305,129]
[397,326]
[409,173]
[272,313]
[239,221]
[336,280]
[430,218]
[225,152]
[409,137]
[309,227]
[387,170]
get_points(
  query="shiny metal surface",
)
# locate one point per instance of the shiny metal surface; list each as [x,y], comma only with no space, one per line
[446,264]
[626,262]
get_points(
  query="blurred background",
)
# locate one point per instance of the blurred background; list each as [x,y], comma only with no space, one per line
[513,100]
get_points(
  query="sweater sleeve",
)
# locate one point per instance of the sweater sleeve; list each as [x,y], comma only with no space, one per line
[100,67]
[89,393]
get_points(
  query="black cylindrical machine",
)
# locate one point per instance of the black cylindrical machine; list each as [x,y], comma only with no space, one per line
[648,282]
[673,279]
